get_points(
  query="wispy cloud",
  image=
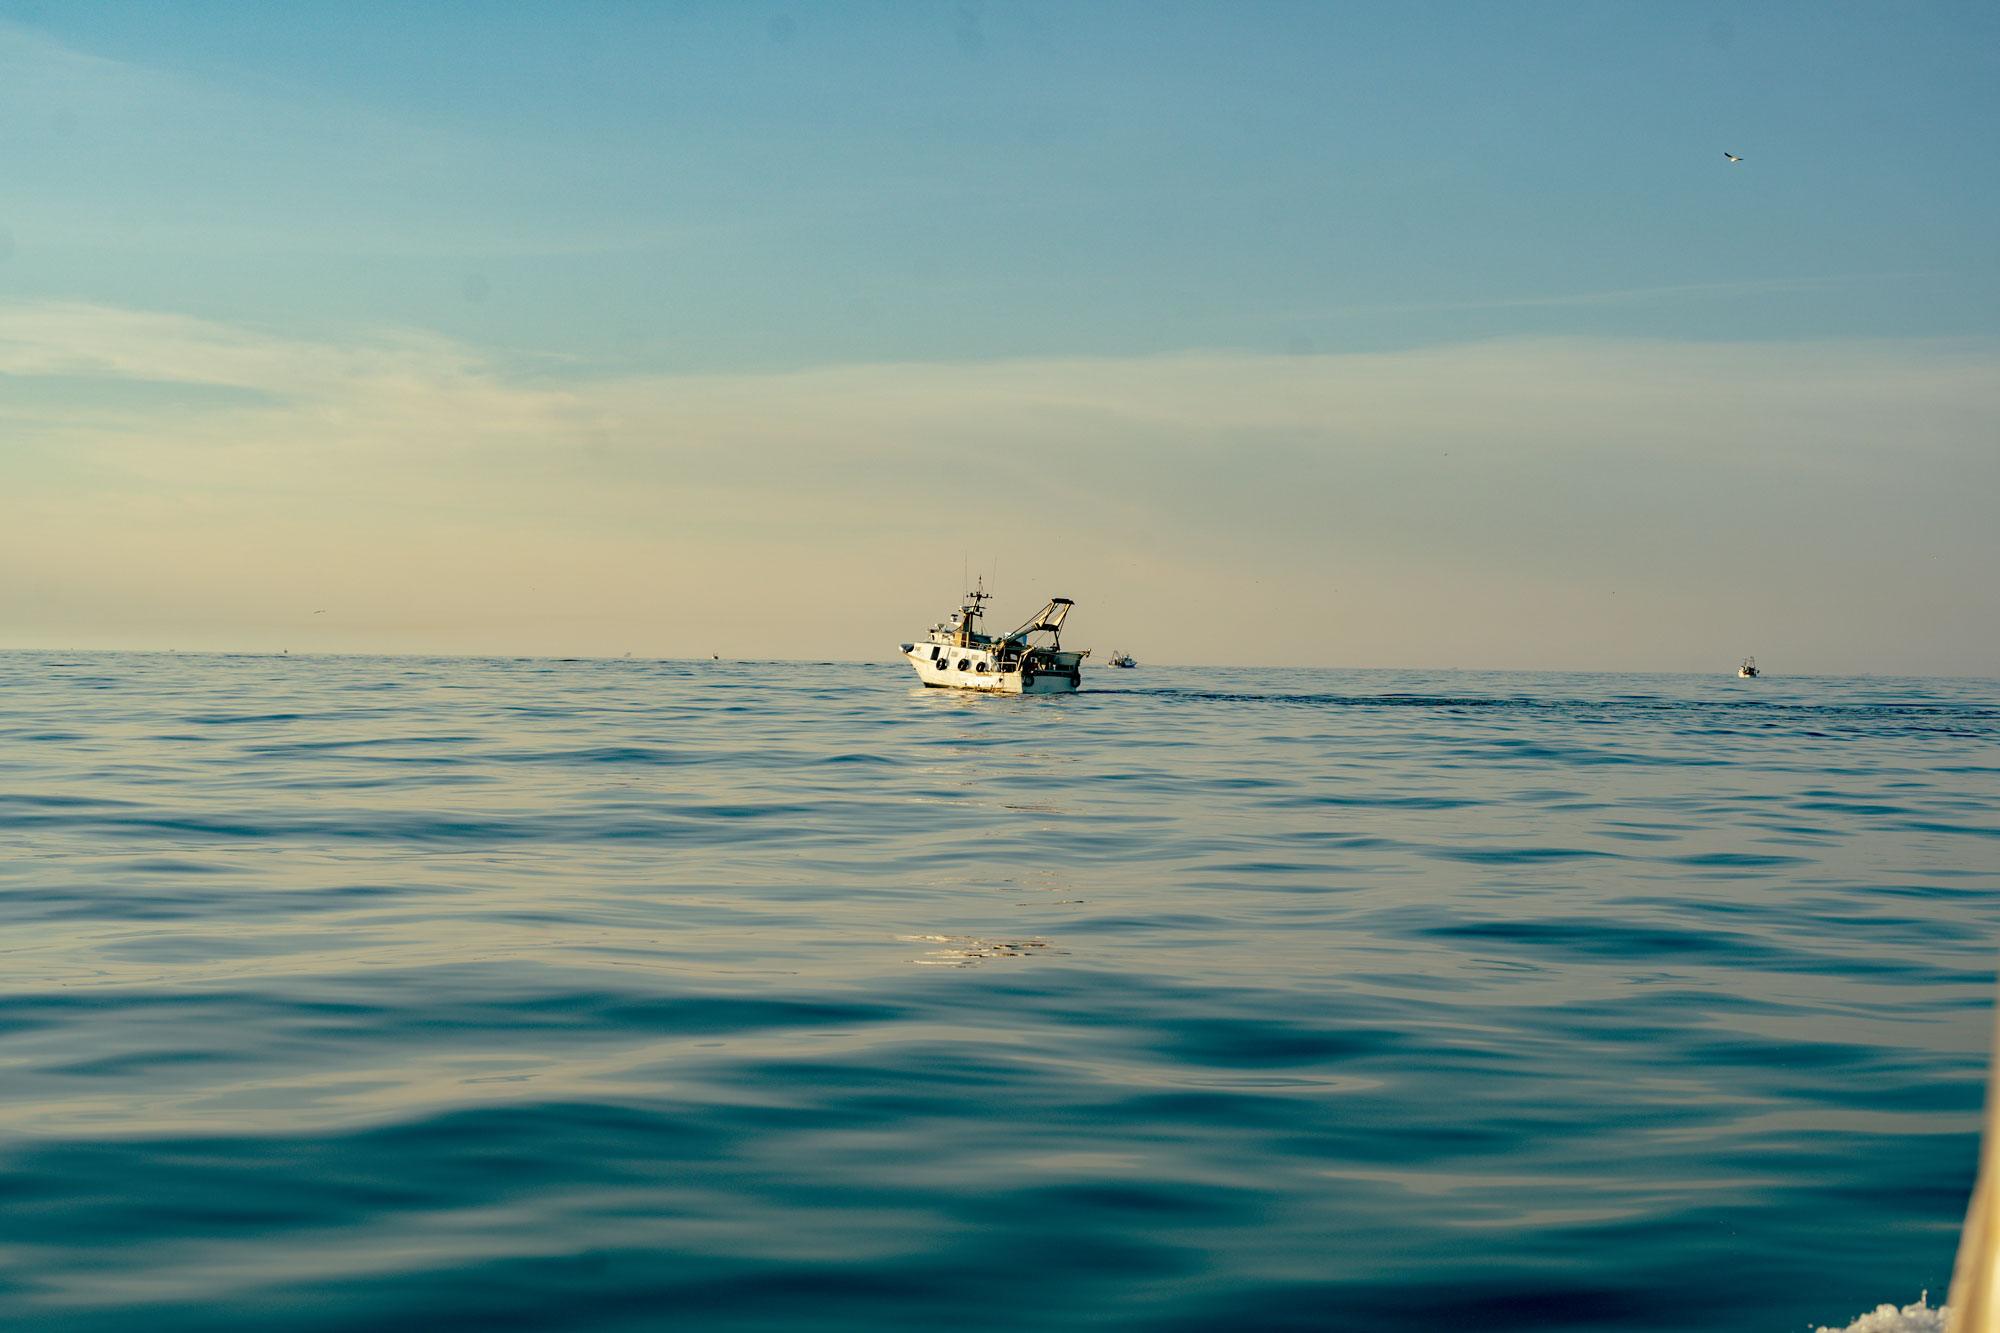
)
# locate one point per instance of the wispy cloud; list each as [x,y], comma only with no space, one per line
[1501,503]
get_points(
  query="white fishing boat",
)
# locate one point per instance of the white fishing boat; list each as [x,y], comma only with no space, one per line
[1028,660]
[1123,660]
[1748,669]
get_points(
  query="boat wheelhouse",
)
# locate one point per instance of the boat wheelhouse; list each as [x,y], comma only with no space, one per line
[1027,660]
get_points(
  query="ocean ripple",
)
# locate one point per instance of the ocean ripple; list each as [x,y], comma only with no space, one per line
[396,993]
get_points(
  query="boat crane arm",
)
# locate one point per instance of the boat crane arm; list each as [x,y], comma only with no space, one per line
[1050,618]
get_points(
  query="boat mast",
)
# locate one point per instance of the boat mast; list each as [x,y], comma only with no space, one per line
[970,612]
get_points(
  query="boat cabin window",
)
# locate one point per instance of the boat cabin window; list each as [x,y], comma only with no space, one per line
[936,652]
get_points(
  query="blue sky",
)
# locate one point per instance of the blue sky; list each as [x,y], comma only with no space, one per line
[594,216]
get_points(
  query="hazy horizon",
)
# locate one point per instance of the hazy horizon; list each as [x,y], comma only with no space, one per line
[896,664]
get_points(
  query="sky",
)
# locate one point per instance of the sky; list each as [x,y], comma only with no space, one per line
[1370,335]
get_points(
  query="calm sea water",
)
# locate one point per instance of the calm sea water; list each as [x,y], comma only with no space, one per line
[389,993]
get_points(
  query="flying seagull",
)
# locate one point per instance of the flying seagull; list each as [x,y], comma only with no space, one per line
[1731,156]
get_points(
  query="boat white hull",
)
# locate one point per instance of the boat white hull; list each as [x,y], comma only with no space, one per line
[945,674]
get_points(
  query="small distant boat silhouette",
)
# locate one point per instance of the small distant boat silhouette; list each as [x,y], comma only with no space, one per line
[1749,668]
[1123,660]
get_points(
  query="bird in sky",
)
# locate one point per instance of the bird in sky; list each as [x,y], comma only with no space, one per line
[1731,156]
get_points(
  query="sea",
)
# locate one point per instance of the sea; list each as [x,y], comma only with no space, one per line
[403,993]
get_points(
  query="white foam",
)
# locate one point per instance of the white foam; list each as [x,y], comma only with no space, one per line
[1917,1318]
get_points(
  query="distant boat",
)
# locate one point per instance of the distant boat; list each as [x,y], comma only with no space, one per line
[1123,660]
[1749,668]
[958,656]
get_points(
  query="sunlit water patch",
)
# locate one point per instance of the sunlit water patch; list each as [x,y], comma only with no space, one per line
[348,993]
